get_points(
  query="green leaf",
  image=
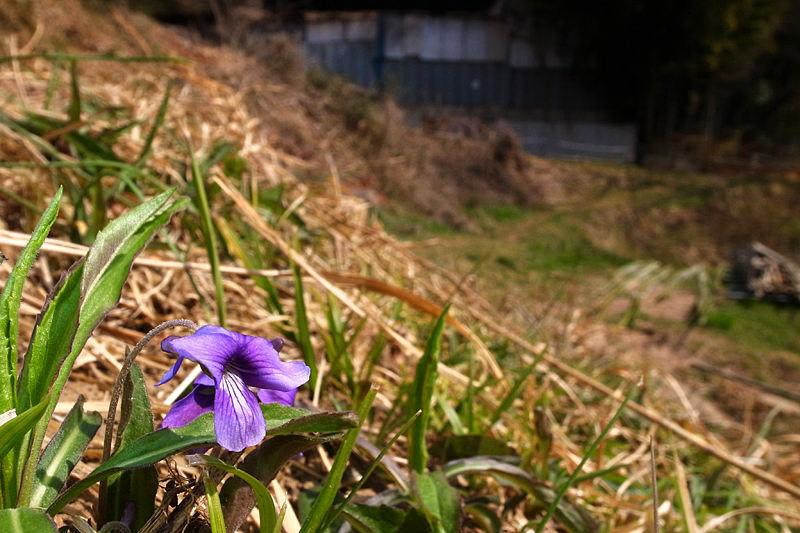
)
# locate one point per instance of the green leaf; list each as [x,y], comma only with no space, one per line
[104,273]
[315,520]
[108,261]
[63,452]
[151,448]
[25,520]
[486,518]
[421,394]
[589,453]
[52,337]
[440,501]
[263,463]
[9,327]
[365,445]
[368,519]
[13,431]
[9,306]
[141,485]
[338,358]
[574,518]
[462,446]
[266,507]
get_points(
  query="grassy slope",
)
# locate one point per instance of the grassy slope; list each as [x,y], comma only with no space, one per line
[580,223]
[564,251]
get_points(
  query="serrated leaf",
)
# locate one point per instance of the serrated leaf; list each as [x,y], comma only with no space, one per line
[63,452]
[151,448]
[141,485]
[440,501]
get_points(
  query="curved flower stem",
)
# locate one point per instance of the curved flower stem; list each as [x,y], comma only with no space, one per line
[119,383]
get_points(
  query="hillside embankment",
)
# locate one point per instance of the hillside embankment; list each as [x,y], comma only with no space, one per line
[521,246]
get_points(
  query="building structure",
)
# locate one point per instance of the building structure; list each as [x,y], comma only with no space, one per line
[478,64]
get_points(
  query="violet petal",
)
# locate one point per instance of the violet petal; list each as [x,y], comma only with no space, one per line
[282,397]
[260,366]
[194,404]
[238,421]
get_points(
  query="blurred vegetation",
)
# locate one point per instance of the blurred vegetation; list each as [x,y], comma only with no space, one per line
[717,68]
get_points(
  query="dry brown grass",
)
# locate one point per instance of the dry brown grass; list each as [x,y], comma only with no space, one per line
[283,132]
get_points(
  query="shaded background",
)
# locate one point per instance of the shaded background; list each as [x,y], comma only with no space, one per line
[696,79]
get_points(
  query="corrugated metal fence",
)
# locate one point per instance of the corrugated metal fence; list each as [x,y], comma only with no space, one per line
[489,84]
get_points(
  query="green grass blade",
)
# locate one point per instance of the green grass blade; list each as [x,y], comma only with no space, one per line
[450,413]
[515,391]
[586,456]
[236,247]
[157,123]
[335,513]
[210,236]
[266,507]
[20,200]
[213,504]
[422,393]
[303,330]
[51,85]
[75,93]
[322,505]
[339,359]
[89,57]
[279,521]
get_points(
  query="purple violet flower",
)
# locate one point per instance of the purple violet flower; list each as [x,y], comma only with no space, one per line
[233,364]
